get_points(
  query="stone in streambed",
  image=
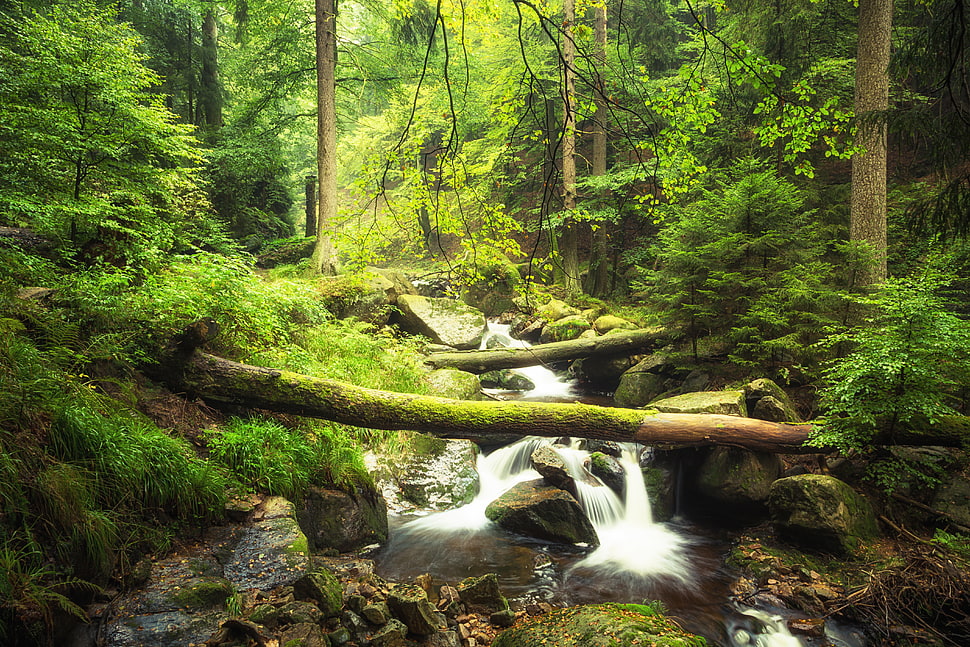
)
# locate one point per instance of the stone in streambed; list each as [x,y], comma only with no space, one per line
[443,321]
[410,604]
[534,509]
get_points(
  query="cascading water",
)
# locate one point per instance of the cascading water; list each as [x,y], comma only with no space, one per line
[636,559]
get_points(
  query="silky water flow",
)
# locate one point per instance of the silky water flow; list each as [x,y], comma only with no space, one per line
[638,560]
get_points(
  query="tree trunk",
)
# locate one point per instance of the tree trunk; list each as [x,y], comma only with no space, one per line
[220,380]
[568,236]
[598,280]
[324,255]
[868,202]
[210,92]
[310,191]
[479,361]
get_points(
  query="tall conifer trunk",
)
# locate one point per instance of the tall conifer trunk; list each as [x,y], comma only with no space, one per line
[868,203]
[568,237]
[210,92]
[324,257]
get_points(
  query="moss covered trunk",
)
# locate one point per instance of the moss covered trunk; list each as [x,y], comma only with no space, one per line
[220,380]
[479,361]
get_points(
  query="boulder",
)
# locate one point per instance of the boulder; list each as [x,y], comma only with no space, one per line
[564,329]
[376,291]
[410,604]
[482,594]
[443,321]
[393,634]
[454,384]
[534,509]
[616,625]
[551,466]
[555,310]
[495,290]
[644,382]
[768,401]
[820,513]
[730,403]
[608,323]
[607,469]
[323,588]
[507,379]
[304,634]
[608,447]
[434,473]
[602,372]
[342,521]
[738,480]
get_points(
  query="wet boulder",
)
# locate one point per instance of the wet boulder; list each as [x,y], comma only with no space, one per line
[619,625]
[410,604]
[443,321]
[768,401]
[430,472]
[820,513]
[564,329]
[506,379]
[736,481]
[454,384]
[534,509]
[271,552]
[644,382]
[343,521]
[730,403]
[602,372]
[608,469]
[482,594]
[551,466]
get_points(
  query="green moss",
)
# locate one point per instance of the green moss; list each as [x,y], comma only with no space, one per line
[606,625]
[206,593]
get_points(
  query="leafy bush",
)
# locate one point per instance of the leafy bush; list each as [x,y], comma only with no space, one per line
[278,460]
[906,364]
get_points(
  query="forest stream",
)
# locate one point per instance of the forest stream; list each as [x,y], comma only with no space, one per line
[638,559]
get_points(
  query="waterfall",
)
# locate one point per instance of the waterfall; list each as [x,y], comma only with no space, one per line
[547,384]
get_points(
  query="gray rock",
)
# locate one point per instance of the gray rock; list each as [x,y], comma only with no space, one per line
[507,379]
[642,383]
[323,587]
[342,521]
[443,321]
[454,384]
[482,594]
[607,469]
[770,402]
[305,635]
[376,613]
[607,323]
[555,310]
[434,473]
[730,403]
[818,512]
[410,604]
[564,329]
[738,478]
[551,466]
[272,552]
[297,612]
[602,371]
[542,511]
[394,634]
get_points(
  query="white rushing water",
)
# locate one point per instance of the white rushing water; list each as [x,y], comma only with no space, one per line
[547,383]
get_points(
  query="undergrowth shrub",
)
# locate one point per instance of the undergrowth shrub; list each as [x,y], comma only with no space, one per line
[266,455]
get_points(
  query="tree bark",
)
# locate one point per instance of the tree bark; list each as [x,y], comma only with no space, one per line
[479,361]
[868,203]
[324,255]
[597,284]
[220,380]
[569,236]
[210,92]
[310,192]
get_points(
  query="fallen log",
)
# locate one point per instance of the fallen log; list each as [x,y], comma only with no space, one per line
[479,361]
[220,380]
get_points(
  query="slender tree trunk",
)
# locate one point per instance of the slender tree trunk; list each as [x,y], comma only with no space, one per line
[324,255]
[599,257]
[569,235]
[210,93]
[311,206]
[868,203]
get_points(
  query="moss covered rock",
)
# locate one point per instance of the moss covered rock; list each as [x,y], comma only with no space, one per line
[443,321]
[564,329]
[454,384]
[341,520]
[537,510]
[821,513]
[731,403]
[604,625]
[738,478]
[323,587]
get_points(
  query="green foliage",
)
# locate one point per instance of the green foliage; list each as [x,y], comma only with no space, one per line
[87,153]
[32,592]
[279,460]
[743,264]
[906,363]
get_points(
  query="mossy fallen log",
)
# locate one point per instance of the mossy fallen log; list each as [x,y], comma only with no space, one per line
[480,361]
[220,380]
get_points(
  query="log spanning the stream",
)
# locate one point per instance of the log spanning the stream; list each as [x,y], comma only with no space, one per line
[220,380]
[480,361]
